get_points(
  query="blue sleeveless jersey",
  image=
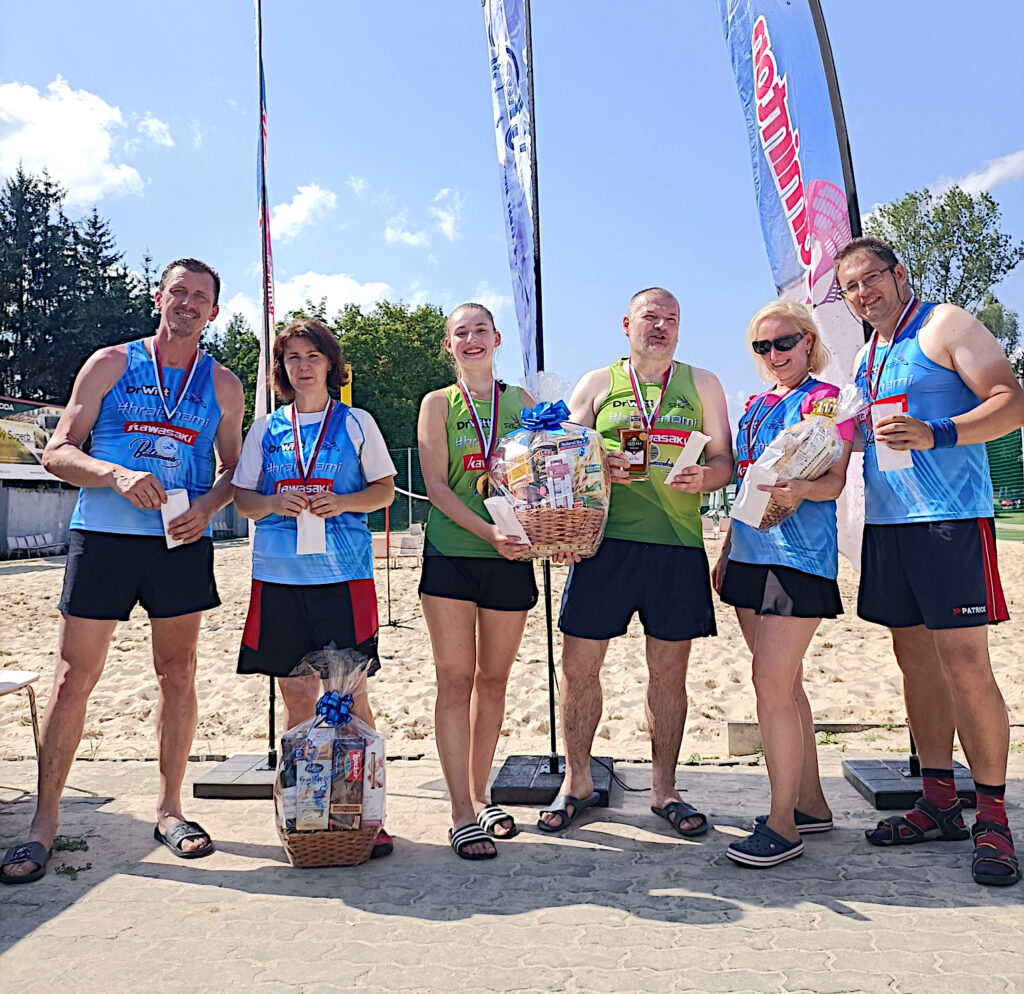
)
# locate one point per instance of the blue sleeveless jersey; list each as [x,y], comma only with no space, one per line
[349,553]
[943,484]
[132,431]
[806,540]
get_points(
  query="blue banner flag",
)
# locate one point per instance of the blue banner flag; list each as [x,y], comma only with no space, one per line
[506,24]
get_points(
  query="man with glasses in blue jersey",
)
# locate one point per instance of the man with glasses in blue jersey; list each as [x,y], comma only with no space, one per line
[154,411]
[939,387]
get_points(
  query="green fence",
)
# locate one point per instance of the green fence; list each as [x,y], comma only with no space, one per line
[405,510]
[1007,469]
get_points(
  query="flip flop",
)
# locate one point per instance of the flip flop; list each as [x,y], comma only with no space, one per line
[991,865]
[458,839]
[900,831]
[491,817]
[805,824]
[29,852]
[676,812]
[177,834]
[560,806]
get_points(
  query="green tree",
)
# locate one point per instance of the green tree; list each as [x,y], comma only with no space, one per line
[1004,324]
[396,357]
[238,348]
[951,244]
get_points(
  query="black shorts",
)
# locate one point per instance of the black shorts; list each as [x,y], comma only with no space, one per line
[668,585]
[781,590]
[286,621]
[940,574]
[108,574]
[492,584]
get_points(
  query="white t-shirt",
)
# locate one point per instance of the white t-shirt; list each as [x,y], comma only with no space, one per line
[366,437]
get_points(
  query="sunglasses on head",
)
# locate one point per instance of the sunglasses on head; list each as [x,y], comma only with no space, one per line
[782,344]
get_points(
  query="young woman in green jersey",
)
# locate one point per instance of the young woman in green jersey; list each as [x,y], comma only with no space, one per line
[475,594]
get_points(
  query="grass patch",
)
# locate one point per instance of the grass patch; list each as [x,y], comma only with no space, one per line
[1009,534]
[67,843]
[829,739]
[67,870]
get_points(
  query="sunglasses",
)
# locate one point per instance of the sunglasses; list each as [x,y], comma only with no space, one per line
[782,344]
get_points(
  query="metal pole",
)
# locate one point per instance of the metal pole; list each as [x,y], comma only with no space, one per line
[408,477]
[915,763]
[387,556]
[553,757]
[534,198]
[272,727]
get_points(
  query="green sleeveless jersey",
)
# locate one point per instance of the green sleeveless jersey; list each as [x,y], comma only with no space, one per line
[651,511]
[466,470]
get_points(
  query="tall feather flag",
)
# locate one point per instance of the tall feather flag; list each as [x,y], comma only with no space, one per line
[264,400]
[803,178]
[508,42]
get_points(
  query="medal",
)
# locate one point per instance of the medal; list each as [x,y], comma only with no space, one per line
[873,383]
[304,466]
[486,441]
[158,371]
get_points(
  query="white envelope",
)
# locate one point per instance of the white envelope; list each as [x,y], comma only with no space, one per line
[505,518]
[177,504]
[690,454]
[311,534]
[751,503]
[888,458]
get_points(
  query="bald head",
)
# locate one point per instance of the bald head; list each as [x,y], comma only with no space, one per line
[642,297]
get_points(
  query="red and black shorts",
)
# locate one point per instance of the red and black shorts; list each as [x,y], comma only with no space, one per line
[287,621]
[940,574]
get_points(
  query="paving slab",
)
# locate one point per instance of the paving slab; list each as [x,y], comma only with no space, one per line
[619,903]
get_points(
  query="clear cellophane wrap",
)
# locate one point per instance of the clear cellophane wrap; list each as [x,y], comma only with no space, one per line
[554,474]
[808,449]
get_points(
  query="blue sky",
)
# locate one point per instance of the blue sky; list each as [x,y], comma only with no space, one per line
[382,167]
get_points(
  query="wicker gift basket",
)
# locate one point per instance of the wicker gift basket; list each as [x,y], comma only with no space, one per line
[554,474]
[329,788]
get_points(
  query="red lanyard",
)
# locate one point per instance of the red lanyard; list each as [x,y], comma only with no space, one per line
[158,369]
[486,441]
[634,382]
[874,383]
[306,468]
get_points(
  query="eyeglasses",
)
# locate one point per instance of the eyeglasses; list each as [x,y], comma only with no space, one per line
[865,282]
[781,344]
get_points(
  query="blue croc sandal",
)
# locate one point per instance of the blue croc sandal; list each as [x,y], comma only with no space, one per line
[764,847]
[805,824]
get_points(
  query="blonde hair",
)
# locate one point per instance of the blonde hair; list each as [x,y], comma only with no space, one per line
[818,357]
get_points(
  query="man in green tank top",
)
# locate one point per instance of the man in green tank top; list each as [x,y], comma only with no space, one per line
[652,559]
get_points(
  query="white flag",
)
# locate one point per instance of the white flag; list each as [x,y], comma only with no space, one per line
[505,21]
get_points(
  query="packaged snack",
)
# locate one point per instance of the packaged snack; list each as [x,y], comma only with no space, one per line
[347,788]
[554,475]
[373,780]
[803,451]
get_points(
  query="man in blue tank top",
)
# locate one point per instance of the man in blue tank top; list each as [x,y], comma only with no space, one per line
[940,387]
[154,412]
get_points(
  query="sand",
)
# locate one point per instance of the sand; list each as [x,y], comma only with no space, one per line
[850,672]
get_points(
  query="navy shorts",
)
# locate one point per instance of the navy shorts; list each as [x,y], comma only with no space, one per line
[669,586]
[493,584]
[781,590]
[286,621]
[940,574]
[108,574]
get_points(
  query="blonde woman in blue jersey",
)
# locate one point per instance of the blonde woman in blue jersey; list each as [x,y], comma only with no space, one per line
[782,581]
[317,455]
[475,595]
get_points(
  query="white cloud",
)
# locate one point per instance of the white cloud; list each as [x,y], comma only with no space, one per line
[495,301]
[395,233]
[1005,169]
[196,133]
[309,204]
[289,295]
[446,210]
[68,132]
[156,130]
[358,184]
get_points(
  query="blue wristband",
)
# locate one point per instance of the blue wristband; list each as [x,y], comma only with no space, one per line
[944,433]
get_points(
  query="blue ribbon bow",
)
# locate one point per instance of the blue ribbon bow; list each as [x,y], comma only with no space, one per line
[334,709]
[545,416]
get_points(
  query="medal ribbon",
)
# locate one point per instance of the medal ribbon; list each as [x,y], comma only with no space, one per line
[634,382]
[486,441]
[753,426]
[158,371]
[904,320]
[306,467]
